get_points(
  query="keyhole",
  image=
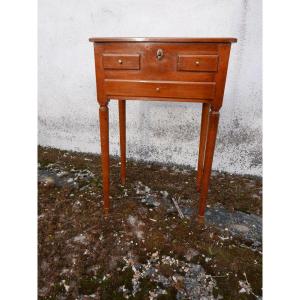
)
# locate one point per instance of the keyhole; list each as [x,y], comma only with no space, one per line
[159,54]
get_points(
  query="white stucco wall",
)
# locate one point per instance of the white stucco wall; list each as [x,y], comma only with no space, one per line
[165,132]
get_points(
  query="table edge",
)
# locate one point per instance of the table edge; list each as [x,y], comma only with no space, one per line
[162,39]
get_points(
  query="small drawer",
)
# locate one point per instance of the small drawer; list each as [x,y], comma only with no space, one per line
[160,89]
[201,63]
[121,61]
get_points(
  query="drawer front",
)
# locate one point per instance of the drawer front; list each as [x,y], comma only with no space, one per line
[160,89]
[140,61]
[121,61]
[198,63]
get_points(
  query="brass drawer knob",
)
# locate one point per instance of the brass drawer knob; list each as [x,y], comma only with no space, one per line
[157,89]
[197,62]
[120,61]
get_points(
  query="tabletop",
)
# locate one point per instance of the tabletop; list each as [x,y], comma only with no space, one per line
[163,39]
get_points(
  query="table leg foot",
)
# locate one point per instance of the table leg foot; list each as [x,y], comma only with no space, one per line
[201,220]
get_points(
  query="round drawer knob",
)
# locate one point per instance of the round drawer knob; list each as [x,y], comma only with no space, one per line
[197,62]
[120,61]
[157,89]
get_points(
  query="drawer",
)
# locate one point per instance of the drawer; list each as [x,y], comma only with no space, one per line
[121,61]
[160,89]
[200,63]
[140,61]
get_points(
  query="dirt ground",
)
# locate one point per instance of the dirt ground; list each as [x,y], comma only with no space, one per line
[144,250]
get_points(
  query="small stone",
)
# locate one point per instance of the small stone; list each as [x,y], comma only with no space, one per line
[62,174]
[150,201]
[240,228]
[191,253]
[165,194]
[85,187]
[80,239]
[131,220]
[155,254]
[48,181]
[207,259]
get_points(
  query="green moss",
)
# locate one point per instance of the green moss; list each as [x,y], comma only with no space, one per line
[146,285]
[168,236]
[56,290]
[109,287]
[88,285]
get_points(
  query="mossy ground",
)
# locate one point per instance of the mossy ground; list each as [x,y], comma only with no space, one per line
[92,267]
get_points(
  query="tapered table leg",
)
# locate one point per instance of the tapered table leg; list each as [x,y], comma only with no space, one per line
[209,153]
[202,143]
[122,124]
[104,136]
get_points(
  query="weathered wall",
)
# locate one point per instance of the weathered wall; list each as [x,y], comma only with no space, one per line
[166,132]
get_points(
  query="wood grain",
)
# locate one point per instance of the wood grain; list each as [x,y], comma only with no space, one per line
[213,122]
[163,89]
[122,126]
[121,61]
[104,137]
[202,143]
[198,63]
[152,68]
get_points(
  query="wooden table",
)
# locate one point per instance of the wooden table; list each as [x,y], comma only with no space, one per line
[163,69]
